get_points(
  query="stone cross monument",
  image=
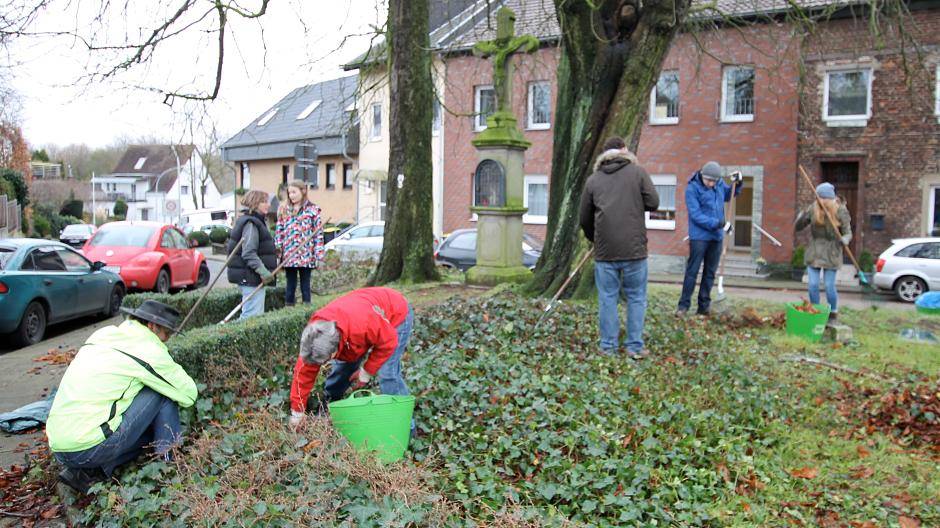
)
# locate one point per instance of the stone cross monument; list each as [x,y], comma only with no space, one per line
[498,182]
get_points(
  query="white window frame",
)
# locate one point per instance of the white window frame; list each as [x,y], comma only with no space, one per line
[535,179]
[936,110]
[267,117]
[375,132]
[308,110]
[662,120]
[477,126]
[531,125]
[663,225]
[847,120]
[736,118]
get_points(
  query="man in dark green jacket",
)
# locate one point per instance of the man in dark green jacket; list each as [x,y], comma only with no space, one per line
[613,216]
[121,393]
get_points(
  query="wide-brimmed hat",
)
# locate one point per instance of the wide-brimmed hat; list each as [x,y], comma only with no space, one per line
[157,313]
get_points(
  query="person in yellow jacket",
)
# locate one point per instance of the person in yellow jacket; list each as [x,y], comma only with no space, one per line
[121,393]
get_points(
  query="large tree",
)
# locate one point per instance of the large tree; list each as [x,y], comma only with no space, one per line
[611,54]
[407,252]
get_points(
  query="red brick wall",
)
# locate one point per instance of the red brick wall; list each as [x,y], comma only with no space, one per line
[900,144]
[460,157]
[768,141]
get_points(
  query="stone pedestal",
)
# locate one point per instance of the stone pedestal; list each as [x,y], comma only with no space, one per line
[499,247]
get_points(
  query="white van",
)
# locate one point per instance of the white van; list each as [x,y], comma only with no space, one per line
[196,220]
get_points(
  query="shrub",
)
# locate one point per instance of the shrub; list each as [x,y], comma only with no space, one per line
[218,235]
[213,309]
[866,261]
[18,184]
[120,208]
[72,208]
[200,237]
[796,261]
[42,227]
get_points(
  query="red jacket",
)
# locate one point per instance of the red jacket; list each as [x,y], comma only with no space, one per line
[367,319]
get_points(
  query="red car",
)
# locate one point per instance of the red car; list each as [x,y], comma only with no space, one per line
[148,256]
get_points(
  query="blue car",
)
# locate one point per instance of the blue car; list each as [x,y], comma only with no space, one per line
[44,282]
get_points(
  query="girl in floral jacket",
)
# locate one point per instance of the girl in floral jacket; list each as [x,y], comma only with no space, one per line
[297,219]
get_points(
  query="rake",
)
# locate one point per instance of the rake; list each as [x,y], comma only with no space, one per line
[551,304]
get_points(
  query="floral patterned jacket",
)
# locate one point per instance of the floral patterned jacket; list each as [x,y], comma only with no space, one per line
[291,237]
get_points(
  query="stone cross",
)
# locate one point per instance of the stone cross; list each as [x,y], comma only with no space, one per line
[505,45]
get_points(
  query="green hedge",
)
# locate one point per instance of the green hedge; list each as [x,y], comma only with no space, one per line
[202,239]
[213,309]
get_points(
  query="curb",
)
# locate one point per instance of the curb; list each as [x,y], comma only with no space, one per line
[756,285]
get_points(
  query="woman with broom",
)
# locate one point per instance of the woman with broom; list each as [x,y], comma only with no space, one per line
[824,251]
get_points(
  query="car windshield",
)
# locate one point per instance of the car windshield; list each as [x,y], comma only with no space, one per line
[530,243]
[5,254]
[127,235]
[76,229]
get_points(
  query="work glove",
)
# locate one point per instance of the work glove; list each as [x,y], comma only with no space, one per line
[846,239]
[737,178]
[265,275]
[728,228]
[296,419]
[360,378]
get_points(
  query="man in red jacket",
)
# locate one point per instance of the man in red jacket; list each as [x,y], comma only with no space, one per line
[373,322]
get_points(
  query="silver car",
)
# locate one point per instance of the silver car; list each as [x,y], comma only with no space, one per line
[909,267]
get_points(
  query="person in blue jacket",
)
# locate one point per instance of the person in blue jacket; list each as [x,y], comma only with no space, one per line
[705,198]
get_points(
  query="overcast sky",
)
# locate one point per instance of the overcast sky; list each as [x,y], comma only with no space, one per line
[291,46]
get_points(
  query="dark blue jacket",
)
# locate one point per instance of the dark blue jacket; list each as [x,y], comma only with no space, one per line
[707,208]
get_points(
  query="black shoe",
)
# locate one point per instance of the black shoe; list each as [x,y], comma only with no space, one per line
[81,479]
[682,312]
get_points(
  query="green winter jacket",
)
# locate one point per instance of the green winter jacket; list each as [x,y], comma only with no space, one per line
[101,382]
[824,249]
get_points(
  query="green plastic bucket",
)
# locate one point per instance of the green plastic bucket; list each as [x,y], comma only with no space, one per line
[379,423]
[808,326]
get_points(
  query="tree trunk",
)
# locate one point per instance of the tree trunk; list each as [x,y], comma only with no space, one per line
[610,60]
[407,250]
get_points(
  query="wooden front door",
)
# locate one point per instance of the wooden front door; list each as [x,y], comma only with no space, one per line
[843,175]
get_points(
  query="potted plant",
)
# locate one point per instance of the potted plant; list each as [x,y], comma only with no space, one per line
[797,266]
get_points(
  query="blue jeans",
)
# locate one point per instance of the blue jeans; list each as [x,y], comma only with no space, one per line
[389,375]
[151,418]
[709,253]
[829,275]
[255,305]
[611,277]
[290,294]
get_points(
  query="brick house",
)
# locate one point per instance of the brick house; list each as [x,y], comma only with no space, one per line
[749,97]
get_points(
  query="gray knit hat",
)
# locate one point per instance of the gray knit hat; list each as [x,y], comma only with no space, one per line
[826,191]
[711,171]
[319,342]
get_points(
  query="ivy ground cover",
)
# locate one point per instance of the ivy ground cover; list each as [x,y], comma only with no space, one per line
[522,426]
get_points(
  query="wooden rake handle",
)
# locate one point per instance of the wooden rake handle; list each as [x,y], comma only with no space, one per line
[832,220]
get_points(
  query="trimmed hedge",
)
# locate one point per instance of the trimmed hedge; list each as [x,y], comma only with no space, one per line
[213,309]
[218,235]
[202,239]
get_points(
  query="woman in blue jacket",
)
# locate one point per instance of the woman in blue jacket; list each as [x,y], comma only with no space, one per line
[705,198]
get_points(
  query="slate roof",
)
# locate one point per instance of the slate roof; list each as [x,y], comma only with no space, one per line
[157,159]
[537,17]
[327,123]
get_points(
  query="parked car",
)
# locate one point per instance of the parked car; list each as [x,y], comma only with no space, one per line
[205,228]
[360,241]
[44,282]
[76,235]
[149,256]
[459,250]
[909,267]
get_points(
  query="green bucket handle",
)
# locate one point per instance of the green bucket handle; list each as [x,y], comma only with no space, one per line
[366,391]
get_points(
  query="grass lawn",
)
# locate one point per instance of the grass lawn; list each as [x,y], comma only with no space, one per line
[531,427]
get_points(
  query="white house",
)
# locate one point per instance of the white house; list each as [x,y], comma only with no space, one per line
[158,182]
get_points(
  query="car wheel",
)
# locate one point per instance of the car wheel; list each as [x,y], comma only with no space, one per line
[32,326]
[115,301]
[203,278]
[909,288]
[163,282]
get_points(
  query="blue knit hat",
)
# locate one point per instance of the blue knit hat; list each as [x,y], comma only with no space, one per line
[826,191]
[711,171]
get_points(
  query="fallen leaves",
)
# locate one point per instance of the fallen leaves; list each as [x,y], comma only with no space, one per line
[861,472]
[863,451]
[908,522]
[57,356]
[805,472]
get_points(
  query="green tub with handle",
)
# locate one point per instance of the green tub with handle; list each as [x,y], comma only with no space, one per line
[378,423]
